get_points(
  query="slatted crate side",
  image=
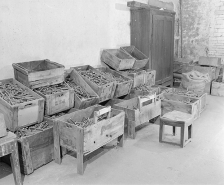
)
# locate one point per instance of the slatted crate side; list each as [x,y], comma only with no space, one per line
[22,114]
[39,73]
[83,103]
[138,77]
[58,102]
[217,88]
[105,92]
[122,88]
[175,102]
[36,150]
[140,59]
[117,59]
[86,140]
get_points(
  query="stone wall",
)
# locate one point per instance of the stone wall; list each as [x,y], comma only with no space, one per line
[203,28]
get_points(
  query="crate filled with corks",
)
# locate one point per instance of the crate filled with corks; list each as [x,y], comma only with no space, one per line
[117,59]
[20,105]
[140,58]
[84,95]
[100,83]
[34,74]
[35,145]
[188,105]
[123,84]
[139,110]
[58,97]
[86,130]
[202,97]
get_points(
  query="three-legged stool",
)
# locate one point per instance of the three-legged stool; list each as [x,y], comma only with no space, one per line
[8,145]
[177,119]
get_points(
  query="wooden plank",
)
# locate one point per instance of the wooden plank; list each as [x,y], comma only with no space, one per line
[210,61]
[122,88]
[79,103]
[140,59]
[105,92]
[117,59]
[217,88]
[150,77]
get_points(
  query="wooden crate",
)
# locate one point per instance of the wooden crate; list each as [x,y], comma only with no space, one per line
[176,102]
[140,59]
[22,114]
[39,73]
[136,92]
[138,76]
[105,92]
[139,110]
[122,88]
[36,150]
[210,61]
[212,71]
[217,88]
[88,139]
[117,59]
[59,101]
[83,103]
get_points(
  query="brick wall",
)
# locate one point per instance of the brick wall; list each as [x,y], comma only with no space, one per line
[203,28]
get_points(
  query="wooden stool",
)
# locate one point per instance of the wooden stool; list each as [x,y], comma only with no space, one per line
[177,119]
[8,145]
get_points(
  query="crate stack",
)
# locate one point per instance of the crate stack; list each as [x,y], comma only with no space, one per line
[53,110]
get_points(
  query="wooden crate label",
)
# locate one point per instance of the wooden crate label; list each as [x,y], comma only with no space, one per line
[60,102]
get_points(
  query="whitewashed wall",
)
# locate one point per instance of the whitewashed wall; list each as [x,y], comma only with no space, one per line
[70,32]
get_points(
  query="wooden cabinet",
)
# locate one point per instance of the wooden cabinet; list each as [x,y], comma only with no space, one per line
[152,32]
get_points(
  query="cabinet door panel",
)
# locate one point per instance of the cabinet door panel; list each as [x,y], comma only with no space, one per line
[168,49]
[157,46]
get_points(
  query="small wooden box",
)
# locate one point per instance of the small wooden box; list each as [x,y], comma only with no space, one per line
[36,150]
[22,114]
[105,92]
[176,102]
[139,110]
[140,59]
[59,101]
[217,88]
[87,102]
[39,73]
[86,140]
[117,59]
[122,88]
[150,91]
[212,71]
[138,76]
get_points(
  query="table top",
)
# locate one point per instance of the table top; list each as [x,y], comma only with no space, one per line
[8,138]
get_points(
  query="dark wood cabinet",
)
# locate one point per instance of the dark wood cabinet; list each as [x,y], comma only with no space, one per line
[152,32]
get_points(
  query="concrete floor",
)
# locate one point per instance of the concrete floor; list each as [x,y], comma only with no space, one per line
[145,160]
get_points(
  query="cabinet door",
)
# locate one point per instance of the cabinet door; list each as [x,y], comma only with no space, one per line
[162,47]
[168,37]
[157,46]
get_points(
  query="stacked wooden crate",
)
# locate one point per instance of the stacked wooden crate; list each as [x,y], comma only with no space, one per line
[35,138]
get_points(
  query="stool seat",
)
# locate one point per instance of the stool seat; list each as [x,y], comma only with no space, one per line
[177,119]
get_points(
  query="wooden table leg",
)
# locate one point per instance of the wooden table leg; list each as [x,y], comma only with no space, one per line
[15,164]
[121,140]
[161,130]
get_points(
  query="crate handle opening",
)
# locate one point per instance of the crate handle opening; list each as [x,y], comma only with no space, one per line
[26,106]
[146,100]
[101,112]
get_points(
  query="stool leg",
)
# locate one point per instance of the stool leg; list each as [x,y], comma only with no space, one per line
[131,129]
[15,164]
[182,135]
[190,129]
[57,147]
[161,130]
[174,130]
